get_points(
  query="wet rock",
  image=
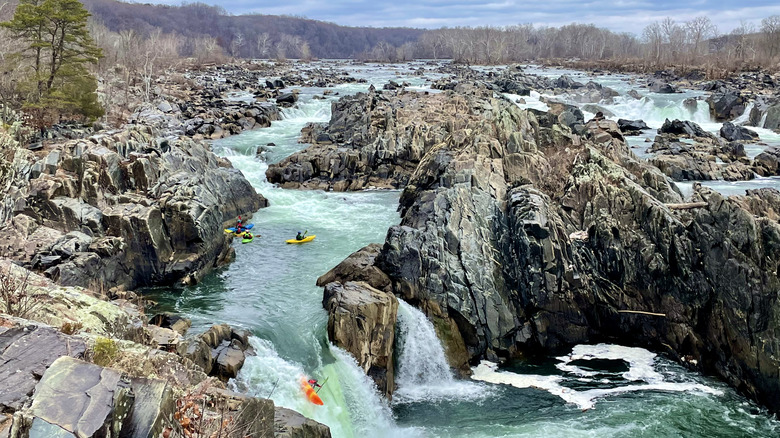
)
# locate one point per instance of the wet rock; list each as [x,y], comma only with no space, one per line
[361,320]
[287,99]
[732,132]
[567,82]
[229,358]
[767,163]
[683,127]
[631,127]
[691,104]
[726,104]
[661,87]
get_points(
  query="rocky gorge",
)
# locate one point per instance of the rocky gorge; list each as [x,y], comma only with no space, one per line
[88,220]
[520,235]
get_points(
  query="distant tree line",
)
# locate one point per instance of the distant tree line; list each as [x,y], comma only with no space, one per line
[130,45]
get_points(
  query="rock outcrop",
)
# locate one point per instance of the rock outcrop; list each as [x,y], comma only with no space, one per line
[290,424]
[125,209]
[361,320]
[520,235]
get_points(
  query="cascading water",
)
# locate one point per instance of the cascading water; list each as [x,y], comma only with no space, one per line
[421,361]
[423,370]
[270,289]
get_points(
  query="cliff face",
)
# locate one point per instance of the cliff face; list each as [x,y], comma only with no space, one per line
[124,208]
[519,235]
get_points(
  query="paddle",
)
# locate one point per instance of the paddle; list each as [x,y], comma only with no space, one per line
[323,384]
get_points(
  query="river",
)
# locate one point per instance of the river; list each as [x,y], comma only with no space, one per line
[604,391]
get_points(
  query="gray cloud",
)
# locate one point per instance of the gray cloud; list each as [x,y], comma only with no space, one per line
[619,15]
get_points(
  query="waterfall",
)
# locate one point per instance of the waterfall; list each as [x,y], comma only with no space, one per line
[745,116]
[421,360]
[423,371]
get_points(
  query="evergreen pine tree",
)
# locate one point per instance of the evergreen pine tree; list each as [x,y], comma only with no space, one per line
[55,43]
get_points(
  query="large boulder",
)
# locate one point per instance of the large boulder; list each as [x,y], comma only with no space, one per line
[632,127]
[361,320]
[684,128]
[662,87]
[128,209]
[359,266]
[732,132]
[767,163]
[291,424]
[726,104]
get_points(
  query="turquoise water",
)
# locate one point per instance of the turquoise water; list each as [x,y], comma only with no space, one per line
[270,290]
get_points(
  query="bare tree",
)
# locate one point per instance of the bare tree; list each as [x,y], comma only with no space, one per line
[700,29]
[264,44]
[770,30]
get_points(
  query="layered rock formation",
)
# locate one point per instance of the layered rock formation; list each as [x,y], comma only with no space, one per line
[134,386]
[519,235]
[685,152]
[124,209]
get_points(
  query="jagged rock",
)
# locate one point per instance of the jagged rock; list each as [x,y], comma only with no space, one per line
[483,247]
[177,323]
[767,163]
[152,411]
[726,104]
[359,266]
[76,399]
[26,352]
[631,127]
[198,351]
[683,127]
[732,132]
[361,320]
[287,98]
[290,424]
[661,87]
[229,358]
[135,210]
[567,82]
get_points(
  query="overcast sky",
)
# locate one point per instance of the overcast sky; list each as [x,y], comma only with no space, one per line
[620,15]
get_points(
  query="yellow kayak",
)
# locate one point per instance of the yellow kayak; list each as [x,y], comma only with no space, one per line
[305,239]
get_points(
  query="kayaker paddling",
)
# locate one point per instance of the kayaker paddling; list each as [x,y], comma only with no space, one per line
[301,236]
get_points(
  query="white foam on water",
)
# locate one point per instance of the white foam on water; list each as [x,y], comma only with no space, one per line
[531,102]
[640,361]
[745,116]
[423,371]
[641,368]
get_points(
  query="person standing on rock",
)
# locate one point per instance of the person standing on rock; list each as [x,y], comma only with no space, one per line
[239,226]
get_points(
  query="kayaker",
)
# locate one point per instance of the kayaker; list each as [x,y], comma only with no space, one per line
[300,235]
[247,235]
[313,382]
[239,226]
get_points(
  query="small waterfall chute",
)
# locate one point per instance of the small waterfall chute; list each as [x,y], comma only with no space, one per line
[423,371]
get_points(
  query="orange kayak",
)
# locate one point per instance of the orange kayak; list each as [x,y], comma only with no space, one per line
[309,391]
